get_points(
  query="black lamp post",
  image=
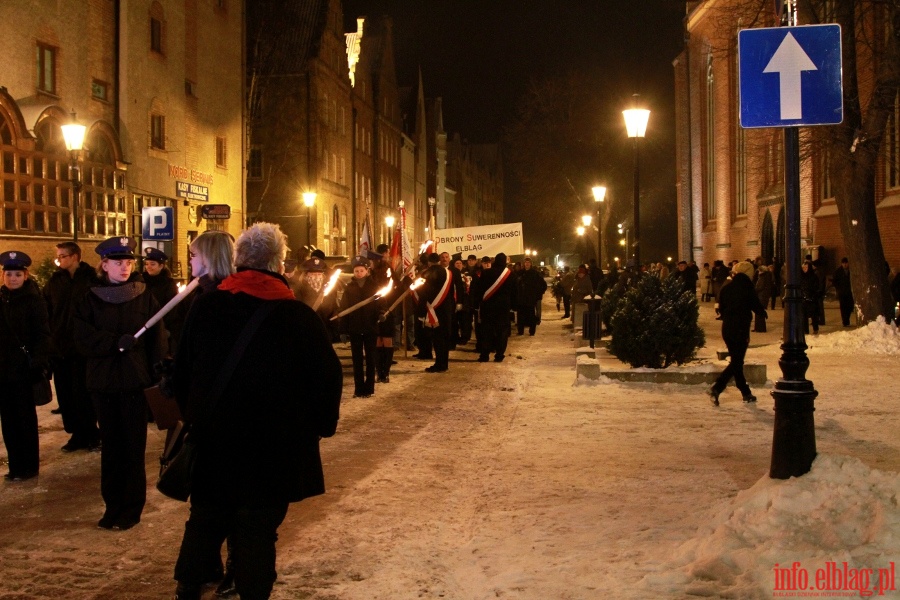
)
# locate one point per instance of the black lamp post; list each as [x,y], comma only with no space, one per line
[73,134]
[309,199]
[636,126]
[599,192]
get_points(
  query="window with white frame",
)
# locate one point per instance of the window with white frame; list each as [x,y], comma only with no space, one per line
[710,141]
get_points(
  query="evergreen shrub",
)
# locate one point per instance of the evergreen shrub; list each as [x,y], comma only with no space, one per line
[655,324]
[42,272]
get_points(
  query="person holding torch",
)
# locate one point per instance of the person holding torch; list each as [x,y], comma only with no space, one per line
[361,326]
[116,377]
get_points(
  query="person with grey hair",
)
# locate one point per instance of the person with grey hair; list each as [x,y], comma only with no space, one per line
[256,432]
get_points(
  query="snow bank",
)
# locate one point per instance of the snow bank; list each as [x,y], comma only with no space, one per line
[841,511]
[878,337]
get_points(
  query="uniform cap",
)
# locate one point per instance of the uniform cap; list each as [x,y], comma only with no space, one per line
[14,260]
[313,265]
[155,254]
[117,248]
[359,261]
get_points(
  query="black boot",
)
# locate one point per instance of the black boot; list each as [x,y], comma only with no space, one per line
[226,586]
[388,361]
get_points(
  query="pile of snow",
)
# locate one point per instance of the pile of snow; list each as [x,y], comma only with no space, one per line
[841,511]
[878,337]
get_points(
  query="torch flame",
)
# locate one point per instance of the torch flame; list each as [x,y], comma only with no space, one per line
[425,246]
[385,289]
[181,287]
[417,283]
[332,282]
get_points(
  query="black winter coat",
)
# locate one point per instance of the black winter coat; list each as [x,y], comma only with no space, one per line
[102,317]
[164,288]
[530,288]
[24,321]
[62,293]
[500,303]
[435,276]
[261,443]
[365,319]
[737,303]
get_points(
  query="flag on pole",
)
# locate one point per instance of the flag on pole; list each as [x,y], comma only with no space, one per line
[409,266]
[365,240]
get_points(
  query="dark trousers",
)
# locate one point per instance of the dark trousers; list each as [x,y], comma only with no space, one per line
[846,303]
[759,323]
[464,326]
[252,533]
[423,339]
[78,416]
[362,347]
[567,305]
[123,431]
[525,317]
[440,340]
[737,343]
[19,424]
[496,337]
[810,313]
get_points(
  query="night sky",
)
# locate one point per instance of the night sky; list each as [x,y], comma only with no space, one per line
[479,55]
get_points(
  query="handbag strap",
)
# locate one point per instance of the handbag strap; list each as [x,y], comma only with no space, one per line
[237,351]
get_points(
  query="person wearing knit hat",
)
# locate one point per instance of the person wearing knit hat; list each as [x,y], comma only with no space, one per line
[737,303]
[744,267]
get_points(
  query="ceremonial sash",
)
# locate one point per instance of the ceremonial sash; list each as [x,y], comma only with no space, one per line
[432,319]
[496,285]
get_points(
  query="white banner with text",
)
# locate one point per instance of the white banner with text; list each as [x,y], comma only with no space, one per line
[485,240]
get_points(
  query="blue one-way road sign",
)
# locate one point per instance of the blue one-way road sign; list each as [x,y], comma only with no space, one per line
[790,76]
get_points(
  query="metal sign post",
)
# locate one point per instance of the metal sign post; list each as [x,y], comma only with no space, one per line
[791,76]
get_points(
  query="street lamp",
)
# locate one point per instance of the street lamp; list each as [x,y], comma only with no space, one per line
[599,192]
[309,198]
[73,134]
[389,222]
[636,126]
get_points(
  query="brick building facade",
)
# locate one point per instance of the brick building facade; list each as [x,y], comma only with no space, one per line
[158,86]
[731,180]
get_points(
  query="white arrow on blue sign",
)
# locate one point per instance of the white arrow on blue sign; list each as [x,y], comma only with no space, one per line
[791,76]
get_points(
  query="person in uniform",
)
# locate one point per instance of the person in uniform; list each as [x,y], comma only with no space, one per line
[435,311]
[493,297]
[66,287]
[361,326]
[119,367]
[163,287]
[24,361]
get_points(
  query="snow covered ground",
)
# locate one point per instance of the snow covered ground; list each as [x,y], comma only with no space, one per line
[515,481]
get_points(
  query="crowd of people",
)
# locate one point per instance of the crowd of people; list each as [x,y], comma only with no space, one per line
[92,330]
[96,331]
[257,323]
